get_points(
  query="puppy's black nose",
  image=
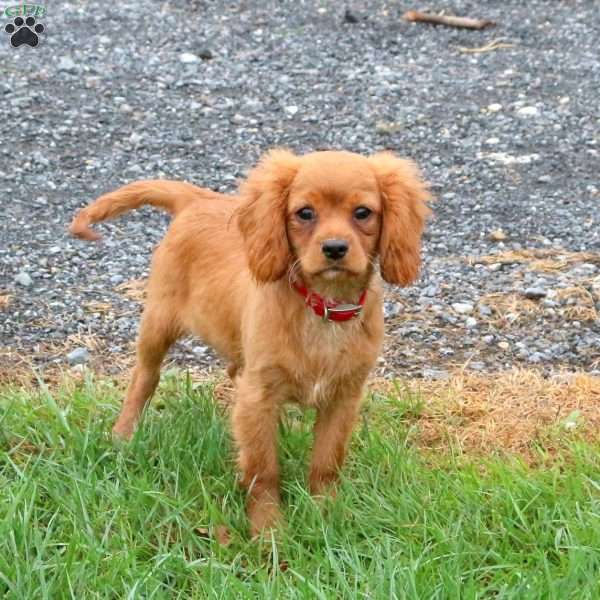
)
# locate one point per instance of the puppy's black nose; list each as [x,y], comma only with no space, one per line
[334,249]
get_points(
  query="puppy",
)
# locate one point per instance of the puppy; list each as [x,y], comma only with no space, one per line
[282,281]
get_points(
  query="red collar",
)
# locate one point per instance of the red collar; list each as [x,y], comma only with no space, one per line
[330,310]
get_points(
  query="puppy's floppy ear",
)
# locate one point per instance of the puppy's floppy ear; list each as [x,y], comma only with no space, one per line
[403,194]
[262,216]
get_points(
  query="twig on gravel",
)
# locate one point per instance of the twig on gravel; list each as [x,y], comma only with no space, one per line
[496,44]
[415,16]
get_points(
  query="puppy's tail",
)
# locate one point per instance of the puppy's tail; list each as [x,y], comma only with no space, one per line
[172,196]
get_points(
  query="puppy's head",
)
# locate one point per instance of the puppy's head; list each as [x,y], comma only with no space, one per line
[330,214]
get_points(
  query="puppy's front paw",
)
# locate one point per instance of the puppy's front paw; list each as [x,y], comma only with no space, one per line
[323,485]
[264,514]
[123,431]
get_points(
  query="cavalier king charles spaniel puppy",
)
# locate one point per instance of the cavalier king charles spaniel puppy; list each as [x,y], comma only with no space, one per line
[284,281]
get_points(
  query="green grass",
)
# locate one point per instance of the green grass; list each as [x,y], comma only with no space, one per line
[83,518]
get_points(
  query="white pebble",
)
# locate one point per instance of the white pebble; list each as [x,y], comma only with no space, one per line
[462,308]
[24,279]
[187,58]
[528,111]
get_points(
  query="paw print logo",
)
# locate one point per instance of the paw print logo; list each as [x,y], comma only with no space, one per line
[24,31]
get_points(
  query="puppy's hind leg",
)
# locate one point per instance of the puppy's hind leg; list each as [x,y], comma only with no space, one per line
[157,334]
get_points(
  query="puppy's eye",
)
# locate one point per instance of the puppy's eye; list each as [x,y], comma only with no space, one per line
[362,213]
[306,214]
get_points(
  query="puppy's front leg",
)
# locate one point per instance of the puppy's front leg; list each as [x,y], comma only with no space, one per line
[334,424]
[255,421]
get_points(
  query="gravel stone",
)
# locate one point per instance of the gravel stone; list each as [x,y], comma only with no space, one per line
[437,374]
[78,356]
[187,58]
[391,309]
[23,279]
[528,111]
[462,308]
[535,293]
[497,235]
[67,64]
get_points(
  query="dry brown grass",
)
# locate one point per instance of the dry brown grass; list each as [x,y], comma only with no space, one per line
[510,307]
[134,289]
[577,303]
[5,301]
[583,307]
[510,412]
[538,259]
[95,306]
[45,362]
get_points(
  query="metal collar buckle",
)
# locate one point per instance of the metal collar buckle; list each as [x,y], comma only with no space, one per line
[355,309]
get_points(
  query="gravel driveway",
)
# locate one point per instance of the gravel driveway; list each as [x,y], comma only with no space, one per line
[509,139]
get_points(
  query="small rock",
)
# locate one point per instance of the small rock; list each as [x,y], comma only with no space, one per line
[291,110]
[497,235]
[135,138]
[67,64]
[431,290]
[187,58]
[528,111]
[572,420]
[503,345]
[485,310]
[535,293]
[205,54]
[447,318]
[462,308]
[386,127]
[435,374]
[24,279]
[92,81]
[78,356]
[125,108]
[350,17]
[391,309]
[471,322]
[495,107]
[199,350]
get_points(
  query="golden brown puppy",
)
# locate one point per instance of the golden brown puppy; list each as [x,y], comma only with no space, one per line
[281,281]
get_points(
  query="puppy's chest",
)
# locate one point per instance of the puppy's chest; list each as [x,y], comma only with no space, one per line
[326,356]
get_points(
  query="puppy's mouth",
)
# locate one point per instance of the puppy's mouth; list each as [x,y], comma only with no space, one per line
[334,271]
